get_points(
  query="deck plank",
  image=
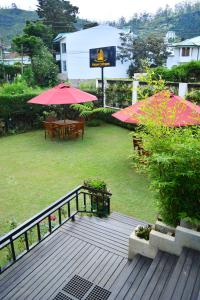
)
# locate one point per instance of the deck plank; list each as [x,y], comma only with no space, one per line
[97,250]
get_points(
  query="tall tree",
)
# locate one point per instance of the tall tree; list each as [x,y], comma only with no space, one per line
[137,49]
[25,44]
[40,30]
[60,14]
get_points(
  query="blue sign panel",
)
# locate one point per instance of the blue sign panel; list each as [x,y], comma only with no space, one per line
[103,57]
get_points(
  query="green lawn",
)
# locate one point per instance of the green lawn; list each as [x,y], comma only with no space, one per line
[34,172]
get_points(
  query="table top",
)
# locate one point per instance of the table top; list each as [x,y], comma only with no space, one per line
[63,122]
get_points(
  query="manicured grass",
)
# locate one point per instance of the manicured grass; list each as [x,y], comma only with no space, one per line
[34,172]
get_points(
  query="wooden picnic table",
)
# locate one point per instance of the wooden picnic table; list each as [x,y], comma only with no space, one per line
[63,128]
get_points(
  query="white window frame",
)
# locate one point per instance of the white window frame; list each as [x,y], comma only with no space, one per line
[64,66]
[63,45]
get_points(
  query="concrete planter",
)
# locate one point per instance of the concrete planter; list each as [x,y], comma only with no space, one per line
[184,237]
[140,246]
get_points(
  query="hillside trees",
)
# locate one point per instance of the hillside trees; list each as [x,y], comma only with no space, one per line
[60,14]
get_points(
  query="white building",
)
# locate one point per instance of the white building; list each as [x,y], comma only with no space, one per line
[184,52]
[11,58]
[73,53]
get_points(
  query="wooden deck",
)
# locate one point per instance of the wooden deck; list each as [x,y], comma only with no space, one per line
[95,249]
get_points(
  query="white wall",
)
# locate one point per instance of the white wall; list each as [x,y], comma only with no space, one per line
[177,59]
[77,56]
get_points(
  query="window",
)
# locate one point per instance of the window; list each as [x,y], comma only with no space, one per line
[185,51]
[64,65]
[64,49]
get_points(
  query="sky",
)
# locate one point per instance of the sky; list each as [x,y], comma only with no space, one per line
[103,10]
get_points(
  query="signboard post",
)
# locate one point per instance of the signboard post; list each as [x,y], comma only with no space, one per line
[101,58]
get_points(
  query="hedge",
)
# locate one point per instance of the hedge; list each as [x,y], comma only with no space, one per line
[188,72]
[17,114]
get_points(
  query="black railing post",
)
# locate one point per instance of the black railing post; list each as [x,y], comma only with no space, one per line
[91,202]
[84,201]
[109,205]
[77,206]
[12,249]
[26,240]
[38,232]
[49,219]
[68,206]
[59,216]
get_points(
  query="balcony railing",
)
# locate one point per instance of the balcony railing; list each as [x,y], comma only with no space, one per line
[25,237]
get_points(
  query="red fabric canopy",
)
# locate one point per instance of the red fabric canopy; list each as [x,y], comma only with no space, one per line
[163,108]
[62,94]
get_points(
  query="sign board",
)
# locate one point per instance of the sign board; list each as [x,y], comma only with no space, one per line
[103,57]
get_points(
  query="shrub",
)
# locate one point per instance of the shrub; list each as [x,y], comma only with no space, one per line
[188,72]
[17,114]
[194,96]
[44,69]
[9,72]
[174,170]
[143,232]
[100,196]
[119,94]
[18,87]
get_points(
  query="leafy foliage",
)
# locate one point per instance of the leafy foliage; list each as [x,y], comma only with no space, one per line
[143,231]
[27,44]
[188,72]
[174,169]
[194,96]
[88,110]
[44,69]
[96,184]
[119,94]
[40,30]
[9,72]
[152,83]
[99,201]
[137,49]
[60,14]
[184,19]
[14,110]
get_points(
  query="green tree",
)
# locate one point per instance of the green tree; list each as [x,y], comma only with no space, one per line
[60,14]
[27,44]
[40,30]
[137,49]
[44,69]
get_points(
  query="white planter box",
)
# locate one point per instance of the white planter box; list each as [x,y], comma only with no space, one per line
[140,246]
[161,241]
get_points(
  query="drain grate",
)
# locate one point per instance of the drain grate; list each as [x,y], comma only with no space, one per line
[61,296]
[78,287]
[98,293]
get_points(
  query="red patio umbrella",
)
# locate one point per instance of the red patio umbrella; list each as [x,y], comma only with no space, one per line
[163,108]
[62,94]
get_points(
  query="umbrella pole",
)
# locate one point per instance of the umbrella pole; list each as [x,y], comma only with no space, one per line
[65,113]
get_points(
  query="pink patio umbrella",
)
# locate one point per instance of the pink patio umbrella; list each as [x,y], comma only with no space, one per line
[163,108]
[62,94]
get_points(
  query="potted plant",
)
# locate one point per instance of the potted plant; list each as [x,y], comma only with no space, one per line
[143,231]
[100,196]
